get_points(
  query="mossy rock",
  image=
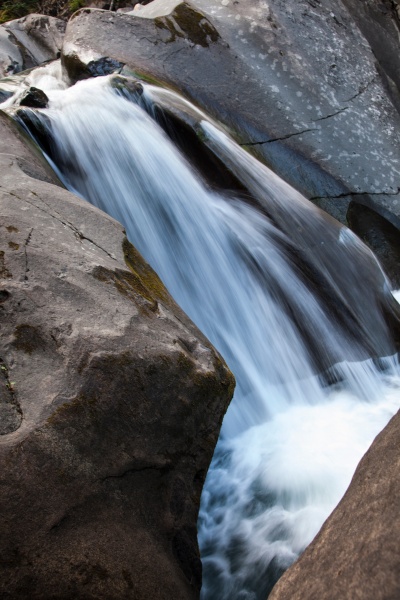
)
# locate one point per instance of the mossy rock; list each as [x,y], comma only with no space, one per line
[150,283]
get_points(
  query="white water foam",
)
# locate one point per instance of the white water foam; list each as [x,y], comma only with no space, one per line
[47,78]
[272,487]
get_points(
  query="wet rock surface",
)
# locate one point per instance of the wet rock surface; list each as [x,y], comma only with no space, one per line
[34,98]
[111,398]
[319,113]
[356,553]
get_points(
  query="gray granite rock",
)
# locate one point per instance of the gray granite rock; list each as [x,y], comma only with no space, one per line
[28,42]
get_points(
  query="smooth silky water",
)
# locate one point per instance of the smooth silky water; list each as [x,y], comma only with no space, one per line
[290,442]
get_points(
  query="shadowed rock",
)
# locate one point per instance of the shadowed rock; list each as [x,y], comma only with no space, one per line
[34,98]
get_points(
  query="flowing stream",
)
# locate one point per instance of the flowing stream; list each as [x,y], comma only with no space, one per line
[282,292]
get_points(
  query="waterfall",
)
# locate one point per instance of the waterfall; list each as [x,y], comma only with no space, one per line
[284,293]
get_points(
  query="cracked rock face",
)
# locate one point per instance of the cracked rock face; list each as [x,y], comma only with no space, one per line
[28,42]
[356,553]
[298,81]
[111,398]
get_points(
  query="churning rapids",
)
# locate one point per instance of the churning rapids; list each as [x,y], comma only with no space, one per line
[282,291]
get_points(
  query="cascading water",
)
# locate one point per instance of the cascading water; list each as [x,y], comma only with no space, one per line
[290,442]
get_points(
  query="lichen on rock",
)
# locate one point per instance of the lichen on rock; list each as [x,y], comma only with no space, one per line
[187,23]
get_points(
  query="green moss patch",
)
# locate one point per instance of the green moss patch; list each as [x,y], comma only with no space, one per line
[139,267]
[128,284]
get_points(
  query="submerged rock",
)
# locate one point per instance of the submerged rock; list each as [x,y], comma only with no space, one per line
[127,86]
[356,553]
[114,401]
[321,115]
[28,42]
[34,98]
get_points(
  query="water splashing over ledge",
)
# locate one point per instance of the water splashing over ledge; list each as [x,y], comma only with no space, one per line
[296,304]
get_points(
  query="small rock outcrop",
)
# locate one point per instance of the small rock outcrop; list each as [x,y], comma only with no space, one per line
[34,98]
[28,42]
[356,554]
[110,398]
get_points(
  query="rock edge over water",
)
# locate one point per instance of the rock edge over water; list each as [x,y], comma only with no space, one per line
[116,401]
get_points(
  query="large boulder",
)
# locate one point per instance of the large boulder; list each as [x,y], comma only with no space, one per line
[110,403]
[321,114]
[356,554]
[28,42]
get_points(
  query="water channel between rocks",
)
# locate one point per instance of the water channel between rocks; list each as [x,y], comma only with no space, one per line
[275,291]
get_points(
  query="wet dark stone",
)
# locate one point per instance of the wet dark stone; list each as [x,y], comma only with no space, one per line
[127,86]
[103,66]
[34,98]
